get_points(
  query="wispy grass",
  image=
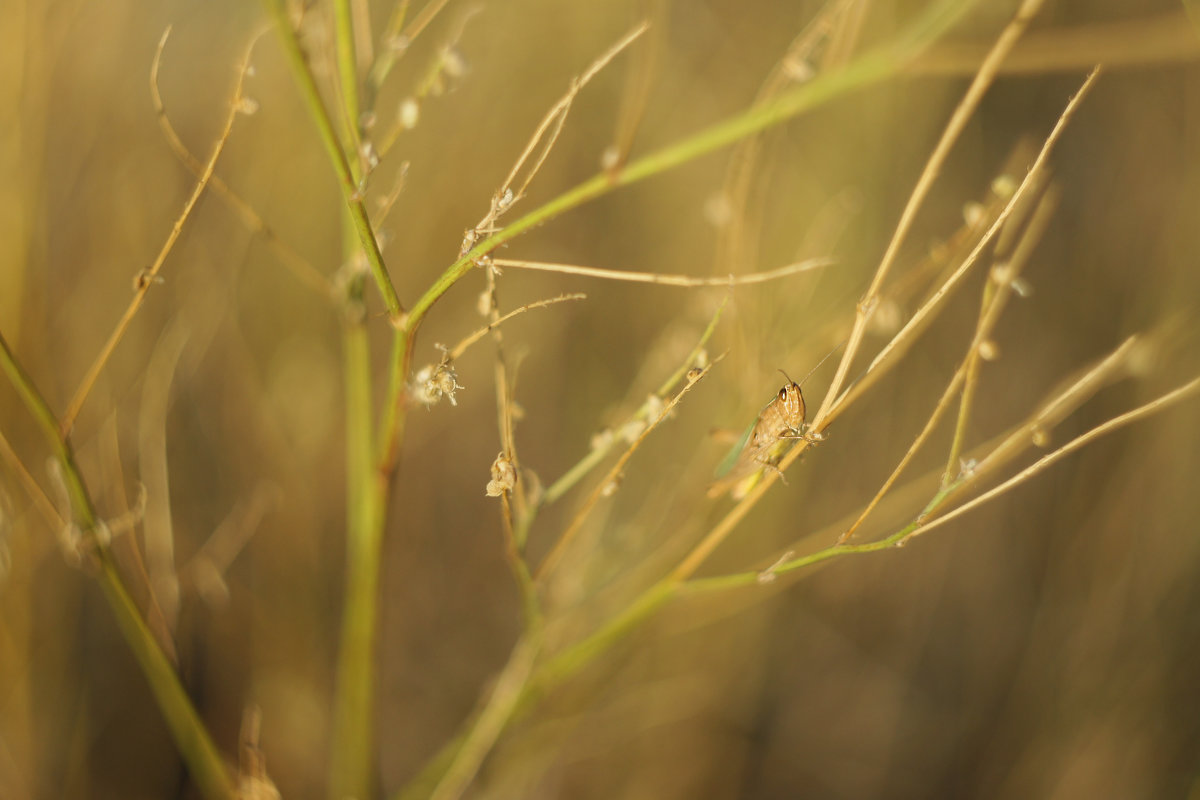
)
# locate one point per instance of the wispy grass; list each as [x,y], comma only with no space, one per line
[341,86]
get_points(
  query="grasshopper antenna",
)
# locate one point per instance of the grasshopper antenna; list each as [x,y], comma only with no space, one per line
[819,363]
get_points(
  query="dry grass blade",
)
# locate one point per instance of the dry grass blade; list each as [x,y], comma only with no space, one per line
[897,345]
[736,242]
[958,120]
[458,349]
[987,322]
[612,478]
[146,278]
[305,272]
[1152,40]
[662,279]
[496,713]
[397,39]
[1153,407]
[553,122]
[1057,409]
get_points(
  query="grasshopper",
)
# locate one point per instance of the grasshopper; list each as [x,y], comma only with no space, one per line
[778,425]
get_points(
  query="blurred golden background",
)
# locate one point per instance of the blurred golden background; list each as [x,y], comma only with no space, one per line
[1046,645]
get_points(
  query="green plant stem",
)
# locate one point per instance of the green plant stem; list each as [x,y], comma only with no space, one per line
[493,718]
[970,381]
[351,760]
[203,760]
[337,157]
[347,67]
[455,752]
[391,426]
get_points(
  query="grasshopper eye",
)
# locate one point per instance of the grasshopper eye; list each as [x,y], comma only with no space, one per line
[783,394]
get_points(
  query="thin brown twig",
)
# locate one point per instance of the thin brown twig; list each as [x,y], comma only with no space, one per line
[504,404]
[958,120]
[612,478]
[996,292]
[636,95]
[663,279]
[555,118]
[987,322]
[304,271]
[146,278]
[895,347]
[421,21]
[1153,407]
[456,352]
[1078,390]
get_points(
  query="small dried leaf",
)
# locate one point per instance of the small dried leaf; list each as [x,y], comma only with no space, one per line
[504,477]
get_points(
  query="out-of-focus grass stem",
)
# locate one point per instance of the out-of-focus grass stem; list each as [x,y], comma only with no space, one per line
[199,752]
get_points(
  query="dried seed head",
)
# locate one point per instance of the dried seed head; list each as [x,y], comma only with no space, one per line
[470,237]
[989,350]
[603,439]
[610,158]
[630,431]
[694,374]
[246,105]
[410,113]
[718,210]
[798,69]
[886,318]
[505,199]
[1040,436]
[369,154]
[611,487]
[654,406]
[1004,186]
[504,476]
[144,278]
[453,63]
[1002,273]
[431,383]
[973,214]
[770,574]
